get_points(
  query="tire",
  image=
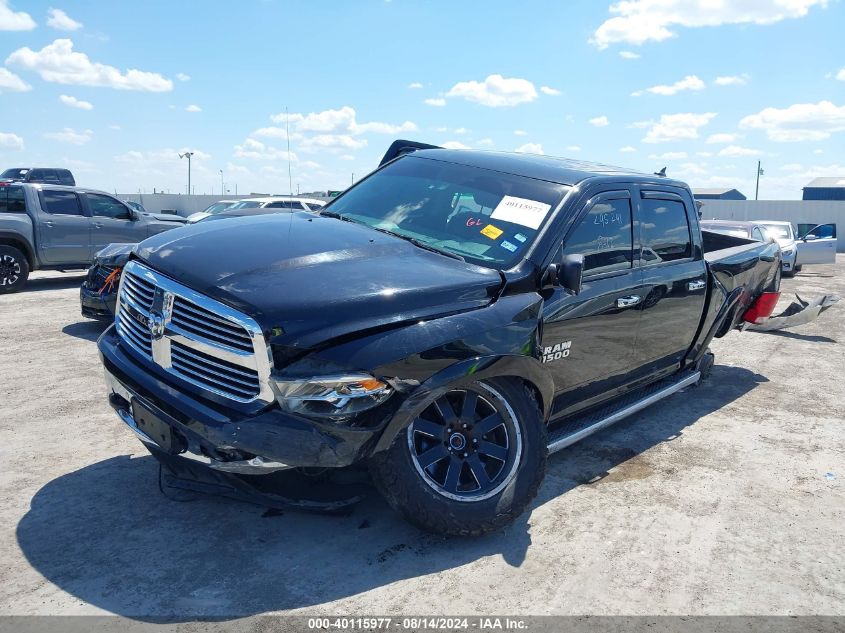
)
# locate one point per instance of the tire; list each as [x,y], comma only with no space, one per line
[508,453]
[14,269]
[796,269]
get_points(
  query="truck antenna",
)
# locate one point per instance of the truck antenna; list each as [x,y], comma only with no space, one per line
[662,172]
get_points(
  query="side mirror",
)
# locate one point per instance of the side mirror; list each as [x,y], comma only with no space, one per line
[571,272]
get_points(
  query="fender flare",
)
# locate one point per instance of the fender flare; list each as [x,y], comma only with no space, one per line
[17,240]
[526,368]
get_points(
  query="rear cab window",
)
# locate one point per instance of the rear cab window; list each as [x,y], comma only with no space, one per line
[57,202]
[664,228]
[12,200]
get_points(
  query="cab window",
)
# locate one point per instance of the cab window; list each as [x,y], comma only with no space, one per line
[665,230]
[106,207]
[604,237]
[57,202]
[12,200]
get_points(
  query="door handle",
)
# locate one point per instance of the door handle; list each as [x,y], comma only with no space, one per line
[627,302]
[698,284]
[98,225]
[48,224]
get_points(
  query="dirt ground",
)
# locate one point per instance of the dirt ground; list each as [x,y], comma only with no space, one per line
[728,498]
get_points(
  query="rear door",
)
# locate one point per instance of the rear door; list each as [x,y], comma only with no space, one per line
[111,222]
[818,246]
[674,278]
[588,338]
[64,230]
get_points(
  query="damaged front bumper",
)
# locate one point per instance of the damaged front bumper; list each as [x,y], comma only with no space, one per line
[95,304]
[169,420]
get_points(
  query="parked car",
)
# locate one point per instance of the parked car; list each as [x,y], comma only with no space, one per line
[47,175]
[52,227]
[817,246]
[164,217]
[211,209]
[780,232]
[252,205]
[98,293]
[448,321]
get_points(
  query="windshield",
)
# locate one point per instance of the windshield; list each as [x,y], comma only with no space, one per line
[245,204]
[486,217]
[779,231]
[15,172]
[217,207]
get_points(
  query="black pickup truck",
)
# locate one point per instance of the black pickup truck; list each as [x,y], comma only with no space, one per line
[448,321]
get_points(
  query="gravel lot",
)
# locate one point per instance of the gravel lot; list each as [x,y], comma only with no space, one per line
[728,498]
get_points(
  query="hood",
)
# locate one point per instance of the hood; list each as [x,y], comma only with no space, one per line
[785,242]
[316,277]
[167,217]
[196,217]
[114,254]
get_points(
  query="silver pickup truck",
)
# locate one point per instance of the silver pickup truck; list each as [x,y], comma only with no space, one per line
[52,227]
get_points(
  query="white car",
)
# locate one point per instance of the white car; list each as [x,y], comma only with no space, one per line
[212,209]
[269,202]
[818,246]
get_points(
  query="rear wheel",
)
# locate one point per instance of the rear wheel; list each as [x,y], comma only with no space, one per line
[14,269]
[470,462]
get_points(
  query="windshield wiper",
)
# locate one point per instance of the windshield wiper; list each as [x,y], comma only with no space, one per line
[420,244]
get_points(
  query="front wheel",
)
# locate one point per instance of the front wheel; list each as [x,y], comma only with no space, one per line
[14,269]
[470,462]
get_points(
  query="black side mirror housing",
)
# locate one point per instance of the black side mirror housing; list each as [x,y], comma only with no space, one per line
[571,273]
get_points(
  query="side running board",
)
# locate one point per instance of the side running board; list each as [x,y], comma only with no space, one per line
[578,429]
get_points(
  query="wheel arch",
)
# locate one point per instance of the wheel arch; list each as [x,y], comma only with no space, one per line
[18,241]
[526,369]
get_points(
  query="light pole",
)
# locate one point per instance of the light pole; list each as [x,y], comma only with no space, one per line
[759,173]
[188,155]
[222,184]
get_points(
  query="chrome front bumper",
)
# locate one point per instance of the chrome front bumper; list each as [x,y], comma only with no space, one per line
[255,466]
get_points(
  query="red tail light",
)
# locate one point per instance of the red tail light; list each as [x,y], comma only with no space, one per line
[761,309]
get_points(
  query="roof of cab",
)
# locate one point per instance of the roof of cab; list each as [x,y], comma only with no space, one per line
[564,171]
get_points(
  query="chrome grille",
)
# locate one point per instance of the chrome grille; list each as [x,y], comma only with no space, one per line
[198,339]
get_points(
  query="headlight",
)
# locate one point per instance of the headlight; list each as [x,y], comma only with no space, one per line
[335,396]
[787,252]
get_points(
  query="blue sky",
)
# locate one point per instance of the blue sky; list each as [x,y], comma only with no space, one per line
[115,90]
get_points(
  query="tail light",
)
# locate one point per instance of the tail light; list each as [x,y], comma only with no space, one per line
[762,308]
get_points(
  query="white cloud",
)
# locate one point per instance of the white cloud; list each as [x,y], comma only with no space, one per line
[668,156]
[438,102]
[183,77]
[61,21]
[455,145]
[71,136]
[59,63]
[334,143]
[600,121]
[495,91]
[257,150]
[841,74]
[271,132]
[486,142]
[520,133]
[415,85]
[818,151]
[10,82]
[461,130]
[114,126]
[736,150]
[732,80]
[552,92]
[629,55]
[799,122]
[704,154]
[14,20]
[10,141]
[573,148]
[721,138]
[376,127]
[628,149]
[530,148]
[193,108]
[340,121]
[73,102]
[690,82]
[677,127]
[640,21]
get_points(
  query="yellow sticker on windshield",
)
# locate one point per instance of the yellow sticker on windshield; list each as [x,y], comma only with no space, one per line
[492,232]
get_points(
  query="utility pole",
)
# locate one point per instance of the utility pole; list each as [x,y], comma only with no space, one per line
[759,173]
[353,178]
[188,156]
[222,185]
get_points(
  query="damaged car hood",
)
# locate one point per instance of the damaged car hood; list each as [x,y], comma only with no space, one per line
[316,277]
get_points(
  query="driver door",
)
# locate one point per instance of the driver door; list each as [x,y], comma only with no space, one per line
[588,339]
[818,246]
[111,222]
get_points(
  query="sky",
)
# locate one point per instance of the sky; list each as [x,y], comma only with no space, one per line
[116,90]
